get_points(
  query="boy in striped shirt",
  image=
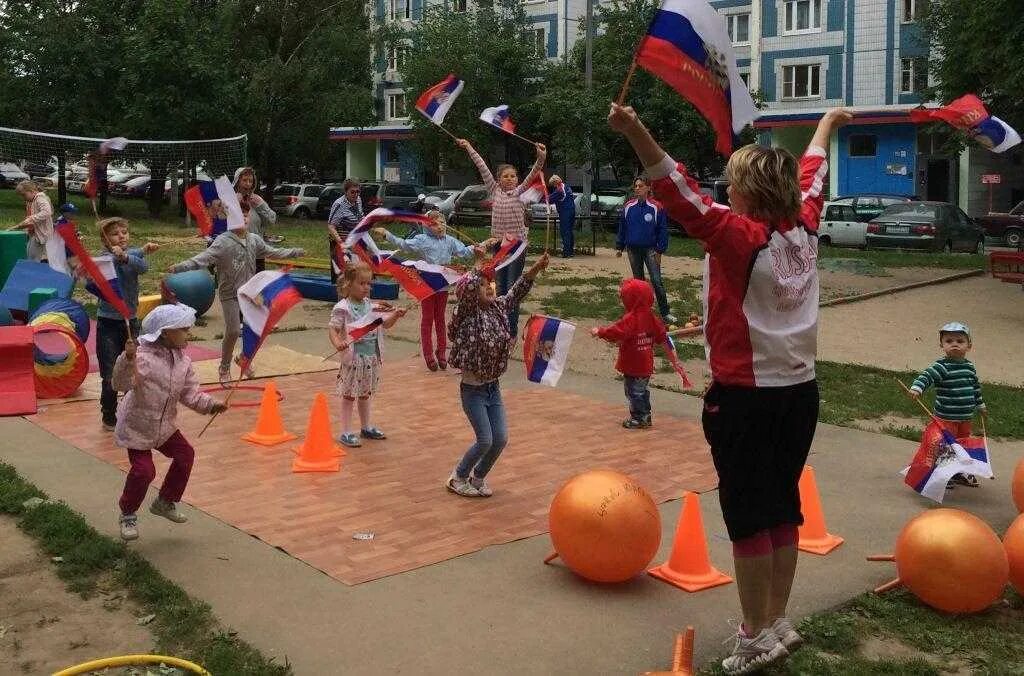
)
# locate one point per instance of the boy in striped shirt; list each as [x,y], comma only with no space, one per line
[957,388]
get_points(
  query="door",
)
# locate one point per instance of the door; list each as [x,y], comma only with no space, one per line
[937,186]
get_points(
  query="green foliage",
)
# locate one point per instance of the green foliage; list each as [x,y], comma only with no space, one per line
[491,50]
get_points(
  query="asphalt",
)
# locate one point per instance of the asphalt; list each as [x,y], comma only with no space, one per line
[500,610]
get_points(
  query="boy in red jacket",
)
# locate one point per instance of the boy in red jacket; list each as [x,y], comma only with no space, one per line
[636,333]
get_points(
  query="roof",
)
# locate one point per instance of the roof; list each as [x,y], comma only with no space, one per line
[379,132]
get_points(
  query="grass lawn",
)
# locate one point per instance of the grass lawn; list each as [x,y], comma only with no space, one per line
[183,626]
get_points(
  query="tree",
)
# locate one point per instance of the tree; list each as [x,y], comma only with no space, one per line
[976,48]
[575,119]
[492,50]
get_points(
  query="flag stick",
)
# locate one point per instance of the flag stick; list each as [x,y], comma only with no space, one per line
[625,85]
[214,416]
[512,133]
[919,402]
[342,349]
[547,235]
[447,132]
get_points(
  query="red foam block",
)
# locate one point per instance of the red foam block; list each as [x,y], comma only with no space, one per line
[17,371]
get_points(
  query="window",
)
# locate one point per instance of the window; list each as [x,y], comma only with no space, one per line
[913,75]
[746,79]
[392,9]
[910,10]
[459,5]
[801,82]
[863,145]
[408,10]
[803,16]
[396,57]
[540,41]
[396,105]
[739,28]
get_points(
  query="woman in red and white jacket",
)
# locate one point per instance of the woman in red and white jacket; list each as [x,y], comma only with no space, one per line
[761,330]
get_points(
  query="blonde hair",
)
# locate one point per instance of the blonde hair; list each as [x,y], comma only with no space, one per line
[351,273]
[107,224]
[26,186]
[436,216]
[503,167]
[768,178]
[553,178]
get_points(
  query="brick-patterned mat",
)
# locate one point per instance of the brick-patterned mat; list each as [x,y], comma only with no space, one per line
[394,488]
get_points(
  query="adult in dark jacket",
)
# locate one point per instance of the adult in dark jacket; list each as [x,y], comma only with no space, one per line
[564,201]
[643,235]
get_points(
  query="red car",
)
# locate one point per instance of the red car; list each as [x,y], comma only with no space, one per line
[1008,227]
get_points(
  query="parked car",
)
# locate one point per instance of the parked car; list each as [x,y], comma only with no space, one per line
[539,210]
[841,226]
[716,188]
[443,200]
[37,169]
[390,195]
[133,187]
[1008,227]
[11,175]
[296,199]
[868,205]
[931,226]
[330,193]
[472,207]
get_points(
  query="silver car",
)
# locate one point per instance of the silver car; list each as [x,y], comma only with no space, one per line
[539,210]
[296,199]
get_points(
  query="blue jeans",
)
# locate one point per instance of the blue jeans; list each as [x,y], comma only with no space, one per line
[486,413]
[566,225]
[504,279]
[111,335]
[638,258]
[638,396]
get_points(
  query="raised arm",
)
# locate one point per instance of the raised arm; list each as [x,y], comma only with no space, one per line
[538,164]
[203,259]
[814,165]
[481,166]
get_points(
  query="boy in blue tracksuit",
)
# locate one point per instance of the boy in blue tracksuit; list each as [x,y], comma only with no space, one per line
[565,204]
[643,234]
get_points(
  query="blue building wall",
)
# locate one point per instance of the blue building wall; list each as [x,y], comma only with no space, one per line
[834,19]
[890,170]
[833,78]
[408,163]
[769,19]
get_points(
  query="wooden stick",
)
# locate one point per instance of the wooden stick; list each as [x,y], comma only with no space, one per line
[214,416]
[448,132]
[547,235]
[882,557]
[684,332]
[512,133]
[888,585]
[625,85]
[919,402]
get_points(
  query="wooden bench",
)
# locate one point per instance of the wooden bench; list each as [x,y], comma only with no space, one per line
[1007,266]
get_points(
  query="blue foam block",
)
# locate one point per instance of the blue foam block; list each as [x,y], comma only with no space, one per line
[384,289]
[315,287]
[29,275]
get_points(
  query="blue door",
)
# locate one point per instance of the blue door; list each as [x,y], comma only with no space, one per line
[877,158]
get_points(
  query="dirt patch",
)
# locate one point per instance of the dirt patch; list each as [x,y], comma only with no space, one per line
[875,648]
[44,628]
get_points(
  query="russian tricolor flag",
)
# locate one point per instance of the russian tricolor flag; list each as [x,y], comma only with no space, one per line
[438,100]
[969,114]
[536,191]
[688,47]
[511,248]
[546,348]
[103,281]
[940,456]
[360,327]
[418,278]
[263,300]
[215,206]
[498,117]
[382,215]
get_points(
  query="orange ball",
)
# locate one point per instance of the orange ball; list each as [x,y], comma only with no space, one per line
[952,561]
[1013,542]
[1017,486]
[604,526]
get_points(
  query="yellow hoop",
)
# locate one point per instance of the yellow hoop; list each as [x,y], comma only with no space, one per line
[130,660]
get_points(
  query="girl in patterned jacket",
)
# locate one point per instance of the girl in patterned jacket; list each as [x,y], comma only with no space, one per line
[481,345]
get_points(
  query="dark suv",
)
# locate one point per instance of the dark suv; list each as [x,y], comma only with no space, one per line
[390,195]
[328,196]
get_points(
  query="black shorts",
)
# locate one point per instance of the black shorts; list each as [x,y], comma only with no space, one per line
[760,438]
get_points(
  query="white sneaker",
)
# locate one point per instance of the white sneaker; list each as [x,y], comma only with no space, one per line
[784,631]
[168,510]
[481,486]
[129,527]
[751,654]
[461,487]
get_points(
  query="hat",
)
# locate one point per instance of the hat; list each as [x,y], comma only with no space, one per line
[955,327]
[162,317]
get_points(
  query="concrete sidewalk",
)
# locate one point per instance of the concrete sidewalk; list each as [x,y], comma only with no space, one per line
[499,610]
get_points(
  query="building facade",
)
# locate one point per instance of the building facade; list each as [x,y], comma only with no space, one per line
[806,56]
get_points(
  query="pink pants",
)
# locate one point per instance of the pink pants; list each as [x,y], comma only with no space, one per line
[143,472]
[431,319]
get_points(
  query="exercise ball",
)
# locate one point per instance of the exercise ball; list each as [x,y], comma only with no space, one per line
[1017,486]
[193,288]
[604,526]
[5,317]
[952,560]
[1013,543]
[49,311]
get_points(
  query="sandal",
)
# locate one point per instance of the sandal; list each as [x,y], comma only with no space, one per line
[247,373]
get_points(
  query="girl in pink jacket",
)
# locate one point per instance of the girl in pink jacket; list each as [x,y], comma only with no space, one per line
[157,375]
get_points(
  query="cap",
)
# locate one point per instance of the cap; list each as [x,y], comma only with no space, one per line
[955,327]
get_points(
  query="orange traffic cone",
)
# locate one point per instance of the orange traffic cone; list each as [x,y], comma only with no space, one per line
[813,536]
[689,567]
[269,427]
[318,452]
[682,657]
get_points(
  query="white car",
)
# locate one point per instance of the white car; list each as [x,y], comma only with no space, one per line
[11,174]
[296,199]
[539,210]
[842,226]
[442,200]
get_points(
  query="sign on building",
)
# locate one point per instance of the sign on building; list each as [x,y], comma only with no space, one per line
[990,179]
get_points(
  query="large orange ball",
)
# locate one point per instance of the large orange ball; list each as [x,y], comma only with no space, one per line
[952,560]
[1017,486]
[604,526]
[1013,542]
